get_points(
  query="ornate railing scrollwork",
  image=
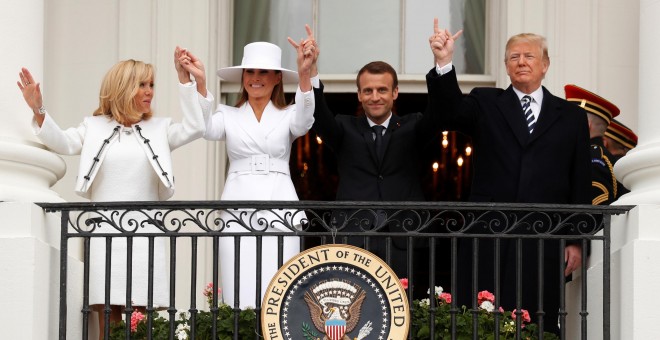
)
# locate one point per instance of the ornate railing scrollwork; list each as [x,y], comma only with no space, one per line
[335,218]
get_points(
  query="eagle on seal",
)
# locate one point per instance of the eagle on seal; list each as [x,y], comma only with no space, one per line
[320,313]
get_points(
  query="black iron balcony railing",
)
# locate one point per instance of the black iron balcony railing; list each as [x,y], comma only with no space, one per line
[383,227]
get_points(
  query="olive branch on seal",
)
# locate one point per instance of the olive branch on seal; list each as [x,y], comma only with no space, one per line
[308,333]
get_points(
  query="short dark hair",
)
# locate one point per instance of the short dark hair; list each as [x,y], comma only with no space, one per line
[378,67]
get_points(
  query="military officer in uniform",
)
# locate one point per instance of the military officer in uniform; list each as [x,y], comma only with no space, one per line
[619,139]
[600,112]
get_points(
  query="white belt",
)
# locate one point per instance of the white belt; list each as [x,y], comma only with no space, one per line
[259,165]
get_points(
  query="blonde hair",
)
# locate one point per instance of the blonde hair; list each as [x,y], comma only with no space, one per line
[277,97]
[529,38]
[118,90]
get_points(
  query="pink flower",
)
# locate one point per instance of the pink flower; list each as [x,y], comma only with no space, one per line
[208,291]
[485,295]
[136,317]
[404,283]
[525,315]
[446,297]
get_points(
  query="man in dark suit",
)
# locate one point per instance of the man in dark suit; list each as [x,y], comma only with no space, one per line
[378,159]
[529,147]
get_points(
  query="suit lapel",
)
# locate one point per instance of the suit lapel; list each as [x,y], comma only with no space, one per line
[252,129]
[270,119]
[550,111]
[510,107]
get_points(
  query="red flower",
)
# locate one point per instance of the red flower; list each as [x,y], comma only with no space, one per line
[404,283]
[485,295]
[525,315]
[136,317]
[446,297]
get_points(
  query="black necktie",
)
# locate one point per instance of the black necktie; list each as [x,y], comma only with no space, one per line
[378,130]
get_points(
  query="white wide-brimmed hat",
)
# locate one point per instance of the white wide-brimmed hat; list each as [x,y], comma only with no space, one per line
[259,55]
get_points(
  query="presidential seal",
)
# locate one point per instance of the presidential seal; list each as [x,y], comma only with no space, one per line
[335,292]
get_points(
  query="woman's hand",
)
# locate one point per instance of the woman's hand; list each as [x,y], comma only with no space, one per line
[31,93]
[312,45]
[307,55]
[188,64]
[179,57]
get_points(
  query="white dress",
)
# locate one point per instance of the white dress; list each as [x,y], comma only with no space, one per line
[259,154]
[126,163]
[124,167]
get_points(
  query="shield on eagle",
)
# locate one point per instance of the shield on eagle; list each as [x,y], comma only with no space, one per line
[335,329]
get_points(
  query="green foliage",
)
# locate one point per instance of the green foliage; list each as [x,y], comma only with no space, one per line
[247,323]
[203,326]
[225,324]
[161,329]
[464,322]
[419,325]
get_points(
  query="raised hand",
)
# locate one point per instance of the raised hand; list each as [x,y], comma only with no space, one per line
[442,44]
[307,54]
[188,64]
[31,93]
[179,58]
[315,50]
[31,90]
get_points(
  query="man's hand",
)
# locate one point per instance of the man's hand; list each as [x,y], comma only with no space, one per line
[442,44]
[573,256]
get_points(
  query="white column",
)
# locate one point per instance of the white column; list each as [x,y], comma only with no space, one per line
[29,258]
[635,237]
[29,274]
[639,170]
[27,170]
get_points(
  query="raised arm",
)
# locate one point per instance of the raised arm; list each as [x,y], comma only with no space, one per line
[32,94]
[305,103]
[446,107]
[325,124]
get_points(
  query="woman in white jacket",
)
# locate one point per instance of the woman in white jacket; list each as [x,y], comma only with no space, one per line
[258,133]
[125,156]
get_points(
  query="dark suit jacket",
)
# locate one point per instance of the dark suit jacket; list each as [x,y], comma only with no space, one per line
[361,176]
[550,165]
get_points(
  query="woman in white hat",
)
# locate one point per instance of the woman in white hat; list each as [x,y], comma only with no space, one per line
[258,133]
